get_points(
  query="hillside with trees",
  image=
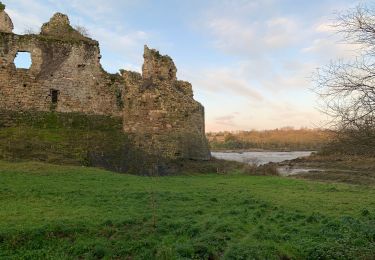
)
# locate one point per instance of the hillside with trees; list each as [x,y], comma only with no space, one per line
[283,139]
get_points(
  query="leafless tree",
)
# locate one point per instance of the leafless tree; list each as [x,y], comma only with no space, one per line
[82,30]
[30,30]
[347,89]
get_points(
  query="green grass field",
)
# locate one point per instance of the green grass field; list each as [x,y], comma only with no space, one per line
[66,212]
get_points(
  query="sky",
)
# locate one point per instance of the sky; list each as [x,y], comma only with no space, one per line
[251,62]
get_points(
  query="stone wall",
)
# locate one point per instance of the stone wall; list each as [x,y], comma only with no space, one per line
[161,113]
[66,64]
[158,112]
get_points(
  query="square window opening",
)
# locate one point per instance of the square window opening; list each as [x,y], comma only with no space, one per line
[23,60]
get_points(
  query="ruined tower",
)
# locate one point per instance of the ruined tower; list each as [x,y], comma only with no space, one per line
[161,113]
[158,112]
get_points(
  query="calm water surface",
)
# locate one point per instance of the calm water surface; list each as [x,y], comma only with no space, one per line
[260,157]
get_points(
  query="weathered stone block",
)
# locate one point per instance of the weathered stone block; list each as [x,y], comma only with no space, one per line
[6,24]
[157,67]
[59,26]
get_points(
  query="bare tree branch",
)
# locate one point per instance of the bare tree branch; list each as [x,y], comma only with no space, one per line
[347,89]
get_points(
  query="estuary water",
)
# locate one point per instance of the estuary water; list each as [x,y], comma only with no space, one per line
[260,158]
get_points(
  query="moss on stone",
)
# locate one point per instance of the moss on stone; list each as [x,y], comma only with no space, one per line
[78,139]
[59,138]
[54,120]
[59,26]
[119,99]
[72,138]
[73,41]
[2,7]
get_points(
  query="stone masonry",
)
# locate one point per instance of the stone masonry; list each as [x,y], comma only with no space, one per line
[6,24]
[158,111]
[173,122]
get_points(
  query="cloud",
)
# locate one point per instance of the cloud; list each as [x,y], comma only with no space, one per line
[227,120]
[329,45]
[267,115]
[235,36]
[287,114]
[24,22]
[28,15]
[226,80]
[105,12]
[325,27]
[230,36]
[122,46]
[281,32]
[277,75]
[94,9]
[276,53]
[255,56]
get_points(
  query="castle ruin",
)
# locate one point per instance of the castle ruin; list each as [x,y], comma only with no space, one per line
[157,111]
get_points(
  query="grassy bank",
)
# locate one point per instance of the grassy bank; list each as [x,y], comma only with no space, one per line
[86,140]
[69,139]
[336,168]
[59,212]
